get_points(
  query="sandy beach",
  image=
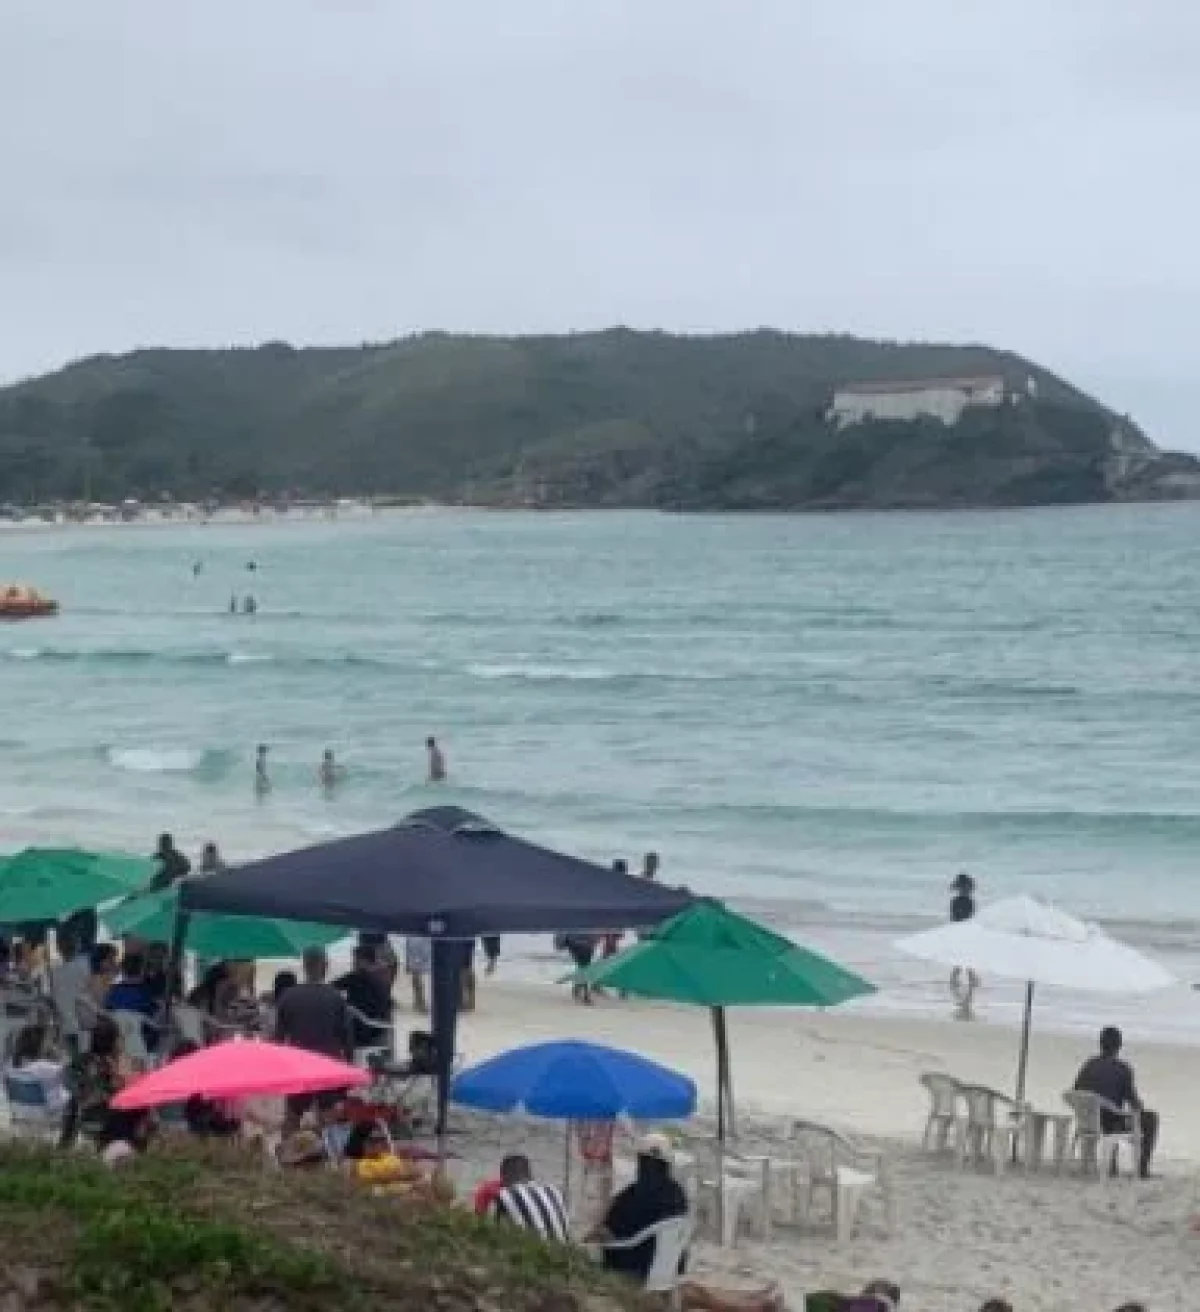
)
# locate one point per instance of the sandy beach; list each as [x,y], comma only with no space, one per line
[1046,1243]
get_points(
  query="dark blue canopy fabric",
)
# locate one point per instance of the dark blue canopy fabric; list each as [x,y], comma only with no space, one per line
[573,1081]
[442,873]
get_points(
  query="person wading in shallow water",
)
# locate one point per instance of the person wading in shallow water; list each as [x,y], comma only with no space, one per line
[437,761]
[963,980]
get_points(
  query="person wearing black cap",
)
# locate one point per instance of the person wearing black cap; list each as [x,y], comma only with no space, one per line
[963,980]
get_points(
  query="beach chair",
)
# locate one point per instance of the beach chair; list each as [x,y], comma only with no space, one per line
[847,1174]
[31,1109]
[671,1240]
[1098,1150]
[133,1037]
[992,1130]
[19,1007]
[194,1025]
[384,1033]
[728,1190]
[945,1122]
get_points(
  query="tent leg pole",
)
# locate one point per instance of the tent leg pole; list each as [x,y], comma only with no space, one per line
[722,1041]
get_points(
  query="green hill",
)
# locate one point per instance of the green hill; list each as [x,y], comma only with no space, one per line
[209,1230]
[605,419]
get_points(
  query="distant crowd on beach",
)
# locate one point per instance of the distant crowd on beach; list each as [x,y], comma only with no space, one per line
[582,948]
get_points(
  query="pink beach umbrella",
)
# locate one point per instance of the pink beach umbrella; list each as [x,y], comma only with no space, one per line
[240,1068]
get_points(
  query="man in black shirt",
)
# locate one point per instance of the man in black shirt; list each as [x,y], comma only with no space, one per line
[313,1016]
[1109,1077]
[655,1196]
[366,993]
[172,864]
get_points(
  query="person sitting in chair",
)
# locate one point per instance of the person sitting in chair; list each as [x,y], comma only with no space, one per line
[653,1197]
[1109,1077]
[30,1061]
[528,1204]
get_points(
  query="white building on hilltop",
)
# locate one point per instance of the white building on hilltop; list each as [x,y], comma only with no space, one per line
[933,398]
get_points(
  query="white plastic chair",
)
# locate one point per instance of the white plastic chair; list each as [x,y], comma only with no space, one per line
[671,1240]
[945,1123]
[189,1024]
[843,1171]
[992,1131]
[740,1196]
[385,1032]
[1098,1150]
[31,1108]
[133,1037]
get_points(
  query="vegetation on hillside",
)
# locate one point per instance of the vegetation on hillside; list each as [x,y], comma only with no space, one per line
[613,418]
[215,1231]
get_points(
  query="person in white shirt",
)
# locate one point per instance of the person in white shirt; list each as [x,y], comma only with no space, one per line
[69,982]
[29,1062]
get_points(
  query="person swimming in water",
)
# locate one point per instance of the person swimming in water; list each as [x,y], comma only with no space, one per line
[249,605]
[262,780]
[329,772]
[437,761]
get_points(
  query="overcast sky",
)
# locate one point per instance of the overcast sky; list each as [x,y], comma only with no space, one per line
[203,172]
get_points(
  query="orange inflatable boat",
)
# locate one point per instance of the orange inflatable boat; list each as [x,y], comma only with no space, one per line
[17,603]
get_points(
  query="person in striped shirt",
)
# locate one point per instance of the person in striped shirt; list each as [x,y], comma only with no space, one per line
[529,1204]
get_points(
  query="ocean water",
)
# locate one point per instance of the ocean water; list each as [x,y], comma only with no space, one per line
[823,717]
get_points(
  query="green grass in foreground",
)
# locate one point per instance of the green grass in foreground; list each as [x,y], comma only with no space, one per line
[216,1230]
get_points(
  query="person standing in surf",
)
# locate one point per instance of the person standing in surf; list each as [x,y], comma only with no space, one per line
[437,761]
[963,980]
[330,773]
[262,780]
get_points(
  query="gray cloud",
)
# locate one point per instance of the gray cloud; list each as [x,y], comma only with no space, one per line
[197,174]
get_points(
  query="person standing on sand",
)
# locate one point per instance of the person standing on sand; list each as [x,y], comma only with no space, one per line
[172,864]
[610,943]
[437,761]
[963,980]
[211,862]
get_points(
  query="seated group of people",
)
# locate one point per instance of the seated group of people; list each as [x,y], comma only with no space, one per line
[80,1092]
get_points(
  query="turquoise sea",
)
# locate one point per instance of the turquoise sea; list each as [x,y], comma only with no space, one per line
[823,717]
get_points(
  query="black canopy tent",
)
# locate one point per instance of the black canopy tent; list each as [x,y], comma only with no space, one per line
[443,874]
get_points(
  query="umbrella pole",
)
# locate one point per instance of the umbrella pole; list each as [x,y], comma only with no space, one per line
[567,1167]
[175,956]
[1023,1059]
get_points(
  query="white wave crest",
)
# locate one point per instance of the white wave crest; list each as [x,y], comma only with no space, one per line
[156,760]
[543,673]
[249,657]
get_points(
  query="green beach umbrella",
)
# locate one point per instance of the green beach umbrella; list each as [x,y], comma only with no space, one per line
[712,957]
[151,916]
[45,883]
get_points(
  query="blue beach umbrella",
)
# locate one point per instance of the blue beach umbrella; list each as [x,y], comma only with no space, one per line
[573,1081]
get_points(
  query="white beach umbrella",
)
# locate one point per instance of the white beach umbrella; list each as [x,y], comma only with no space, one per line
[1022,938]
